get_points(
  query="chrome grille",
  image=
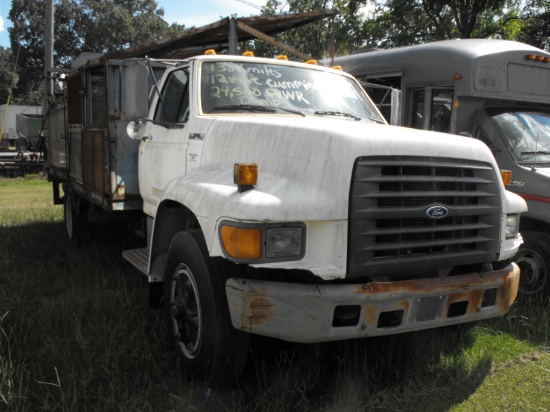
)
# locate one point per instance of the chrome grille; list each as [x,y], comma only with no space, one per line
[390,233]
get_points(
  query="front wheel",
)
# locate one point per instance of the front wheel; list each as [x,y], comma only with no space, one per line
[533,259]
[197,313]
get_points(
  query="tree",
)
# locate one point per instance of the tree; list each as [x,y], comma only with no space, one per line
[536,30]
[403,22]
[8,77]
[315,39]
[80,26]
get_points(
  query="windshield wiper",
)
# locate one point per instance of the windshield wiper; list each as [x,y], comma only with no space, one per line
[535,153]
[256,108]
[246,107]
[332,113]
[291,111]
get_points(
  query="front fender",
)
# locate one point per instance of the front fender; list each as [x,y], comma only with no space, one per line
[210,194]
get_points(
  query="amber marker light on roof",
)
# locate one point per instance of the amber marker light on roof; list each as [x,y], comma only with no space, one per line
[311,62]
[456,76]
[282,57]
[337,68]
[242,243]
[245,175]
[506,177]
[530,57]
[210,52]
[248,53]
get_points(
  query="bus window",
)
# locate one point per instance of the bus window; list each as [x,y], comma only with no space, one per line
[442,107]
[417,111]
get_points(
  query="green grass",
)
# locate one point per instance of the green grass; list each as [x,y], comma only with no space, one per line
[76,334]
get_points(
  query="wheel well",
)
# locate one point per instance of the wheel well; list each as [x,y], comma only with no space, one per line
[533,225]
[171,218]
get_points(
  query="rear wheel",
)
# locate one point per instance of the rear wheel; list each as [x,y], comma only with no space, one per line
[533,259]
[197,313]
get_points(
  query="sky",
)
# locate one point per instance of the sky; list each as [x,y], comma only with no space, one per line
[189,12]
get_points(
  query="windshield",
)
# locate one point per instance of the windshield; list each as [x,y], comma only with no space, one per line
[240,87]
[526,134]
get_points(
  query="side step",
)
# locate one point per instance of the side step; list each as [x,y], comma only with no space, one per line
[139,258]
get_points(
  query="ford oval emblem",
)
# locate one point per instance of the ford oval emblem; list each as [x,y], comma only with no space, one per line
[437,212]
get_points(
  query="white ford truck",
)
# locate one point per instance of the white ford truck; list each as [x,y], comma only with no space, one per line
[275,200]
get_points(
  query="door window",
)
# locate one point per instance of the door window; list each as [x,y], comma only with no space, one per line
[173,106]
[442,108]
[418,97]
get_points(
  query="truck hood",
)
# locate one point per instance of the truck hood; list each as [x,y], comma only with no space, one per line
[306,164]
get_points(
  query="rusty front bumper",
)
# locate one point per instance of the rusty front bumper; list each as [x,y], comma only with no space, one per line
[317,313]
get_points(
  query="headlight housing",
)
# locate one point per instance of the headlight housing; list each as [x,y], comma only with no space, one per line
[512,226]
[259,243]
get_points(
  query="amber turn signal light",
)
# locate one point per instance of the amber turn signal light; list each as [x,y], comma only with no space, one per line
[506,177]
[245,175]
[242,243]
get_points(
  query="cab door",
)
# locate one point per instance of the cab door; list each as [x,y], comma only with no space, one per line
[163,149]
[431,108]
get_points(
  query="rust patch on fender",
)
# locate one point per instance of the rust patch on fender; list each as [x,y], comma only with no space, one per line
[260,311]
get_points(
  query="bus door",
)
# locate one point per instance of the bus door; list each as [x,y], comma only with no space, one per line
[431,108]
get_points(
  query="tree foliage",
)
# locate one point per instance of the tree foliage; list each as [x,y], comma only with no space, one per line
[315,39]
[404,22]
[80,26]
[392,23]
[536,30]
[8,77]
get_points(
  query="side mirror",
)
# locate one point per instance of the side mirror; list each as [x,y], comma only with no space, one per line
[136,130]
[136,91]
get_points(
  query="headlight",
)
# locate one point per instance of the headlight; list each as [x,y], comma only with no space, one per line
[283,242]
[257,243]
[512,226]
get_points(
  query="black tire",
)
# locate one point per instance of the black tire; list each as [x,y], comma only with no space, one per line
[75,222]
[197,313]
[533,259]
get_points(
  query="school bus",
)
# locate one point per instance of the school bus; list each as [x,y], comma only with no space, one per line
[496,91]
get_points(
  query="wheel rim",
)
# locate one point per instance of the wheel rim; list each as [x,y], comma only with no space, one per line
[186,316]
[533,271]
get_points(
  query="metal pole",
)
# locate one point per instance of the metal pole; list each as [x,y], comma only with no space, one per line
[232,36]
[48,65]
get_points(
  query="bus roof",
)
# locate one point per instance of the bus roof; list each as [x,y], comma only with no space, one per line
[460,52]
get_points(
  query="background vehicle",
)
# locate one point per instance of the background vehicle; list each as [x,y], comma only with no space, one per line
[496,91]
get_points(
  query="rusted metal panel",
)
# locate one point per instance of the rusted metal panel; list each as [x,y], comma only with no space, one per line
[216,35]
[75,102]
[306,313]
[272,41]
[93,160]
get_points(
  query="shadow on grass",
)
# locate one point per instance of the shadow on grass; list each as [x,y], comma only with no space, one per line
[82,337]
[527,321]
[421,371]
